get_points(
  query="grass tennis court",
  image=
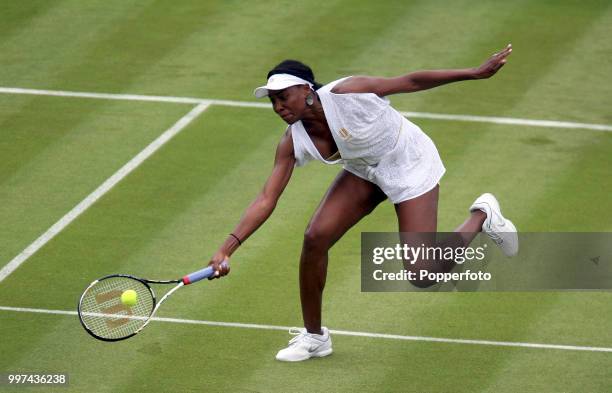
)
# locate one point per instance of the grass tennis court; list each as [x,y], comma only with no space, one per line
[168,216]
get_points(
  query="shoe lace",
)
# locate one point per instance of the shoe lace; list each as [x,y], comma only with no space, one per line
[496,238]
[299,333]
[493,234]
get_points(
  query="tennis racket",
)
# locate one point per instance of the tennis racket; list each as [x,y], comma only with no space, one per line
[107,318]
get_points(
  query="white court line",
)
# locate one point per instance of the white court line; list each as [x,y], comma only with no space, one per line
[510,121]
[132,97]
[101,190]
[422,115]
[342,332]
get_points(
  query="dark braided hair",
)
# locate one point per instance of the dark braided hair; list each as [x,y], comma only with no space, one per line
[295,68]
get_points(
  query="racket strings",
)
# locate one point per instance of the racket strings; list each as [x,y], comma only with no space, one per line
[103,313]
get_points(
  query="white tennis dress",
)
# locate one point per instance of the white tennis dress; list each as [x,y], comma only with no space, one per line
[375,142]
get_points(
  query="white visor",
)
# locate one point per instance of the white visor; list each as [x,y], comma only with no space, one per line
[280,82]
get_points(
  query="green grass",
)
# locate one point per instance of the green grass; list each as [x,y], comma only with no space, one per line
[170,214]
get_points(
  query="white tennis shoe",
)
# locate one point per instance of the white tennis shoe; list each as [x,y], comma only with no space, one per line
[305,346]
[501,230]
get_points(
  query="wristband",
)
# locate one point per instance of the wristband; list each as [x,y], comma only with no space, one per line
[236,237]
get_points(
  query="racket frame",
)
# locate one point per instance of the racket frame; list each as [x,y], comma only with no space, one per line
[146,283]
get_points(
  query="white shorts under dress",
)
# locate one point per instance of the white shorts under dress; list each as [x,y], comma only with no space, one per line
[376,143]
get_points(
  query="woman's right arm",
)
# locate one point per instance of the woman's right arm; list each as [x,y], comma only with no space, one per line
[262,207]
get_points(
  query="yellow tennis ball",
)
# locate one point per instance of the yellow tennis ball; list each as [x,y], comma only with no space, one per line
[129,297]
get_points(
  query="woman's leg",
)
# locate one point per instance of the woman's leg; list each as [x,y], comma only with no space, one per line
[418,219]
[347,201]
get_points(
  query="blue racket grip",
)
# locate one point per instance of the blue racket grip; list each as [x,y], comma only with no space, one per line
[200,274]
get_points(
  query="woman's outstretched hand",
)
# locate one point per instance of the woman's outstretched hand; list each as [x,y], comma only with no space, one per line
[493,64]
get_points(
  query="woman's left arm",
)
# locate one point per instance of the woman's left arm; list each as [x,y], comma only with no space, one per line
[422,80]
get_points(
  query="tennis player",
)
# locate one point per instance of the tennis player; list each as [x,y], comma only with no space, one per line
[384,156]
